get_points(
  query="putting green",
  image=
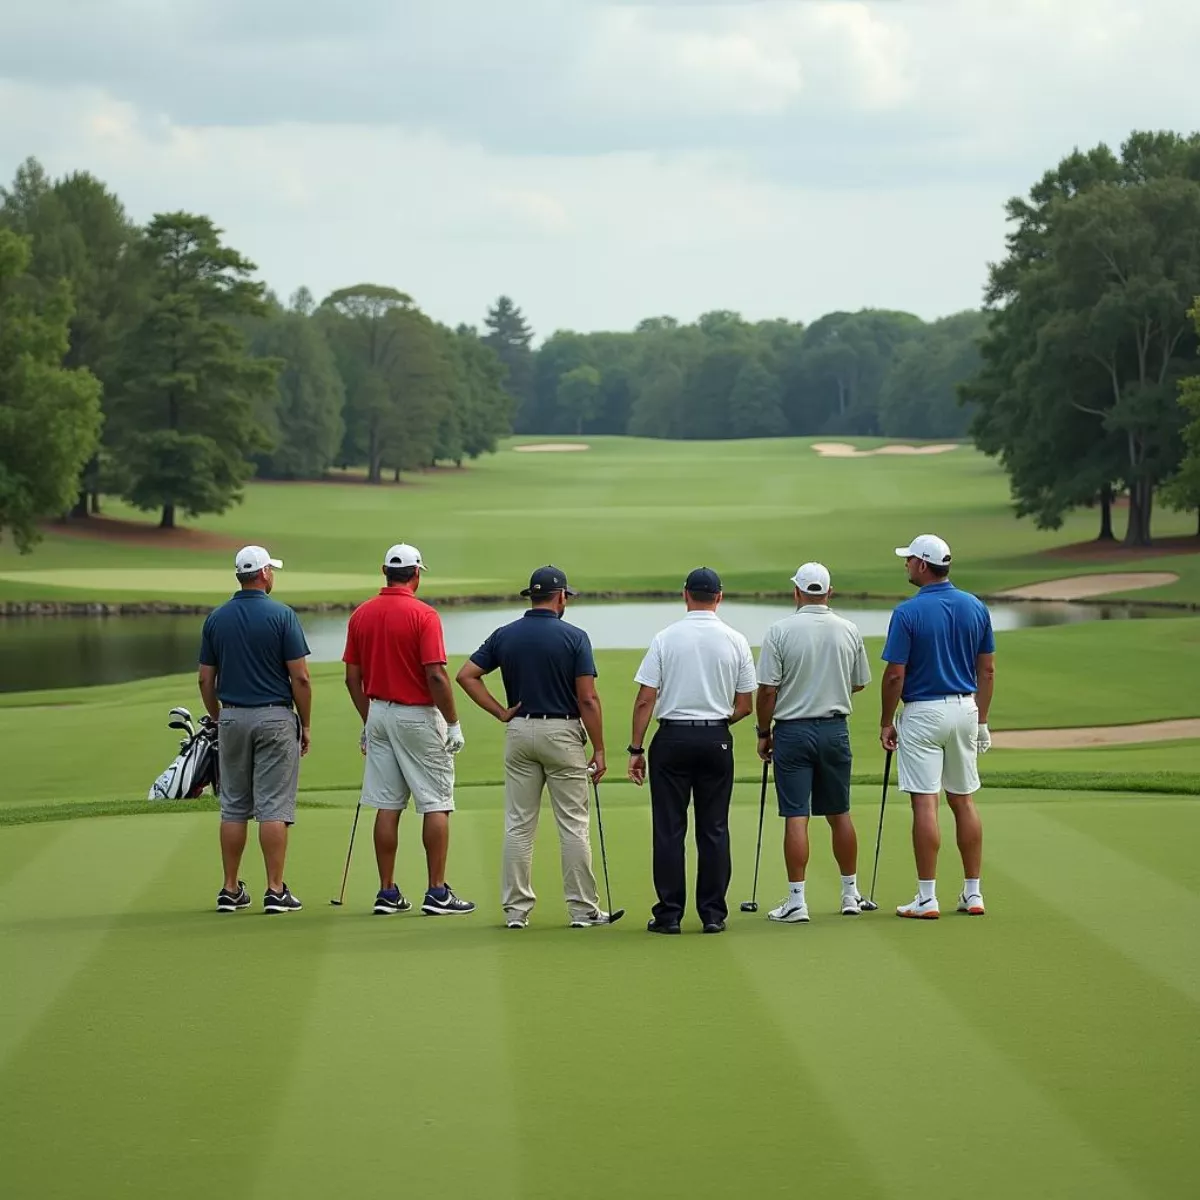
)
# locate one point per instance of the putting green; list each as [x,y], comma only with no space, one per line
[486,1062]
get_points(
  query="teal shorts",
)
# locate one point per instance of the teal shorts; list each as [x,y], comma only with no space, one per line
[812,767]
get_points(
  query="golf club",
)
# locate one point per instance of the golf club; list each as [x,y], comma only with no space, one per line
[346,873]
[181,725]
[182,713]
[869,904]
[751,905]
[614,914]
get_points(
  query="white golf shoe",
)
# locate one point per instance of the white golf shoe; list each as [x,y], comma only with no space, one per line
[791,910]
[972,905]
[852,905]
[926,910]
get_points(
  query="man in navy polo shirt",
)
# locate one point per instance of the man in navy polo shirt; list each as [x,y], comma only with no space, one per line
[549,677]
[940,652]
[254,683]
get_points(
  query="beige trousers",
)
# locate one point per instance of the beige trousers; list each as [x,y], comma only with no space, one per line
[549,754]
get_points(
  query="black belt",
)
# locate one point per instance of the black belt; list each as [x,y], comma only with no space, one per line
[809,720]
[548,716]
[271,704]
[723,722]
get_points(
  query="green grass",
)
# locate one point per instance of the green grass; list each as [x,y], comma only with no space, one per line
[629,515]
[148,1046]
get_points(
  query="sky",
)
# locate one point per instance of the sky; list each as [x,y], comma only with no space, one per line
[598,161]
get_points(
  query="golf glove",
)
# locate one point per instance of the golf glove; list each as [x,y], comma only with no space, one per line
[983,740]
[362,742]
[454,738]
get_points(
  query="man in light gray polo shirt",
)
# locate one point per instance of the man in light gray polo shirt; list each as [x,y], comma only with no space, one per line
[808,668]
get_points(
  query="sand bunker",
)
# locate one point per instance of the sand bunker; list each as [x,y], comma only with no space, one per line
[1080,587]
[552,447]
[1101,735]
[845,450]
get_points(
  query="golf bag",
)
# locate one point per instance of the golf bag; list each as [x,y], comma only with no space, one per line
[194,768]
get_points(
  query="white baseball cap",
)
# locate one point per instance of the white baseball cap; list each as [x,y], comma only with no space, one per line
[813,579]
[928,547]
[404,555]
[250,559]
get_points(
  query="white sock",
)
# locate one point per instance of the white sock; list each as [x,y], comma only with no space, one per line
[849,885]
[926,889]
[971,888]
[797,891]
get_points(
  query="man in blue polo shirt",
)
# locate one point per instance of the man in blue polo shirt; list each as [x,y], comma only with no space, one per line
[940,653]
[549,678]
[254,683]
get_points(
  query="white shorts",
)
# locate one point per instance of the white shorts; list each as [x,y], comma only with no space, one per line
[937,748]
[407,756]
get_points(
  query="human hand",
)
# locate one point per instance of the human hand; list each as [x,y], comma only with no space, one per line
[888,738]
[983,740]
[766,748]
[305,741]
[509,713]
[637,768]
[596,767]
[454,738]
[362,742]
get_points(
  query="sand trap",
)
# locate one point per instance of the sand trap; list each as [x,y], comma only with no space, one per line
[552,447]
[1080,587]
[1101,735]
[845,450]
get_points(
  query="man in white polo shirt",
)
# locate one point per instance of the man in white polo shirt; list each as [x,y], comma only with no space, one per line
[809,666]
[698,675]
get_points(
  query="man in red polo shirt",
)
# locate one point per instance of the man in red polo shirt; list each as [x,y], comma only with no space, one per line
[396,675]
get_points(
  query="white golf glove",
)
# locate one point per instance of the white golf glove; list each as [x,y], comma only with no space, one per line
[362,742]
[454,738]
[983,740]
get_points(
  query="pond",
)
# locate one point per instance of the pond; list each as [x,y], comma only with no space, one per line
[54,652]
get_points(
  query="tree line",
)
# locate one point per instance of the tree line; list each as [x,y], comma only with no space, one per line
[1089,387]
[147,362]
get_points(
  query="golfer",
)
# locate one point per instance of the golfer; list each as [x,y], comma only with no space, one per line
[396,675]
[551,710]
[255,685]
[809,666]
[940,652]
[698,678]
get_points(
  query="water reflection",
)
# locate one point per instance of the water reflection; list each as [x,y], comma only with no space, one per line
[52,652]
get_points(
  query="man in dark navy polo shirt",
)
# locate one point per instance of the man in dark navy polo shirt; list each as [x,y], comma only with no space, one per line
[940,652]
[254,683]
[549,678]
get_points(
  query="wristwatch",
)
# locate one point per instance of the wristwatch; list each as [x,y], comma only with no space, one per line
[763,733]
[635,750]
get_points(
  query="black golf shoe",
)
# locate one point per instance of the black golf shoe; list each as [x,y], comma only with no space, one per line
[281,902]
[228,901]
[445,905]
[391,901]
[714,926]
[652,926]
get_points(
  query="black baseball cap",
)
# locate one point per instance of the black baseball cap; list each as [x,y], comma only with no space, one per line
[545,581]
[703,579]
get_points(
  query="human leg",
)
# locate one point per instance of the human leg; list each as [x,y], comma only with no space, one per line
[524,778]
[565,762]
[670,793]
[712,788]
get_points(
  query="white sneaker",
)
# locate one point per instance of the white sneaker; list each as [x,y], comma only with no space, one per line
[972,904]
[791,910]
[599,917]
[517,923]
[851,905]
[925,909]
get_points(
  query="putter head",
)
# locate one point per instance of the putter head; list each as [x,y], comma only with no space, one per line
[615,915]
[336,903]
[749,906]
[868,906]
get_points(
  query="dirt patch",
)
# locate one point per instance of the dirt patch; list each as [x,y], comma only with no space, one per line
[1099,735]
[552,447]
[135,533]
[845,450]
[1080,587]
[1115,552]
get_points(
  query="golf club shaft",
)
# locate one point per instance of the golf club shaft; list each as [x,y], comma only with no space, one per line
[603,853]
[349,852]
[762,808]
[887,770]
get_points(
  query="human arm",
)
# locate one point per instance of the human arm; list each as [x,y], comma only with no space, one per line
[470,679]
[297,669]
[890,690]
[643,710]
[208,690]
[743,697]
[743,706]
[764,713]
[985,671]
[354,685]
[590,714]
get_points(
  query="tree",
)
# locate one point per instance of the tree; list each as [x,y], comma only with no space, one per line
[510,337]
[579,396]
[755,403]
[481,412]
[184,422]
[398,380]
[1183,490]
[304,415]
[49,413]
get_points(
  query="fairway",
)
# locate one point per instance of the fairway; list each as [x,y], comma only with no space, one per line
[631,515]
[315,1056]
